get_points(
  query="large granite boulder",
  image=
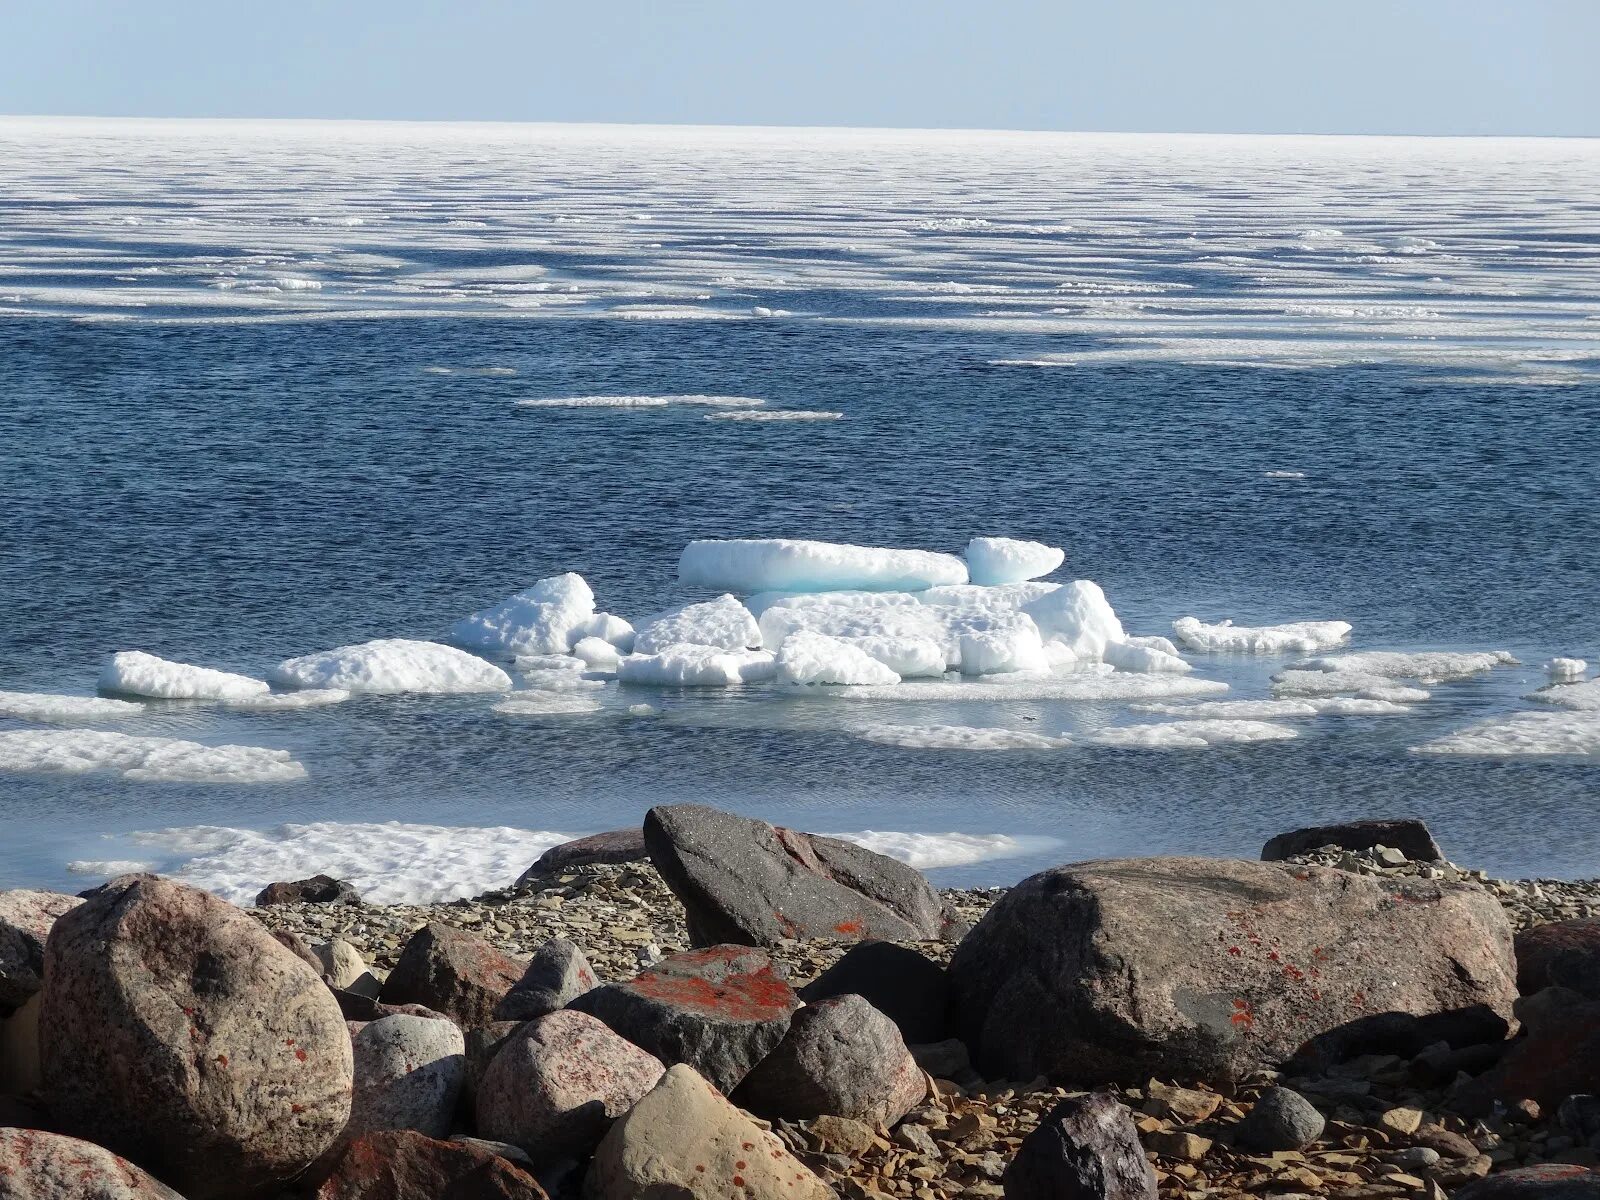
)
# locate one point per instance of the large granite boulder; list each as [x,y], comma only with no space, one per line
[1560,954]
[558,1083]
[409,1072]
[25,921]
[721,1010]
[747,882]
[1124,969]
[35,1165]
[453,972]
[1547,1181]
[909,988]
[841,1057]
[174,1029]
[1406,834]
[686,1141]
[402,1164]
[1086,1148]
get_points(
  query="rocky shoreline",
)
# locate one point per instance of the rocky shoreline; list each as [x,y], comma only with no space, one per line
[475,1032]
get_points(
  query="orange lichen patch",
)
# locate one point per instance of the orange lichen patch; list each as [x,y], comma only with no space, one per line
[850,928]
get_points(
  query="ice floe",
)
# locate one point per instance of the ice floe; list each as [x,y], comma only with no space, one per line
[1579,697]
[959,737]
[722,622]
[393,665]
[1009,647]
[546,704]
[597,652]
[778,414]
[993,560]
[929,851]
[702,401]
[1277,710]
[135,673]
[1425,666]
[152,759]
[1345,683]
[1083,686]
[1078,615]
[816,658]
[547,618]
[790,565]
[1300,637]
[1527,733]
[1189,735]
[907,657]
[697,666]
[65,710]
[1139,656]
[288,701]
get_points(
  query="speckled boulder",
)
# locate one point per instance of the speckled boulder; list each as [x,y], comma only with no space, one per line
[557,975]
[558,1083]
[1123,969]
[25,921]
[408,1075]
[453,972]
[47,1166]
[721,1010]
[402,1164]
[174,1029]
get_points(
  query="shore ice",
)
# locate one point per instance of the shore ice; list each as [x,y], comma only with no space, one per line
[995,560]
[1292,637]
[697,666]
[1277,710]
[1189,735]
[723,622]
[1526,733]
[928,851]
[815,658]
[959,737]
[1085,686]
[65,710]
[789,565]
[394,665]
[1566,670]
[135,673]
[1359,684]
[147,759]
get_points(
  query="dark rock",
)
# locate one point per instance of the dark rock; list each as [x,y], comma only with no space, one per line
[319,889]
[1121,970]
[613,846]
[721,1010]
[1442,1063]
[1086,1148]
[403,1164]
[1558,1057]
[483,1043]
[46,1166]
[453,972]
[1560,954]
[942,1060]
[1446,1142]
[357,1006]
[558,1083]
[1280,1119]
[909,988]
[1549,1181]
[841,1057]
[557,975]
[1406,834]
[750,883]
[25,921]
[175,1030]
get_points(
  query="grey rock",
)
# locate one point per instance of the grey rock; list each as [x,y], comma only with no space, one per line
[557,975]
[175,1030]
[720,1009]
[613,846]
[343,968]
[25,921]
[1281,1119]
[747,882]
[1086,1148]
[909,988]
[916,1138]
[453,972]
[35,1165]
[942,1060]
[319,889]
[1415,1158]
[841,1057]
[408,1075]
[1123,969]
[1406,834]
[558,1083]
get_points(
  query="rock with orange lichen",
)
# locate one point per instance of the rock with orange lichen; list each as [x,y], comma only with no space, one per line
[402,1164]
[721,1010]
[35,1165]
[453,972]
[685,1140]
[747,882]
[175,1030]
[1123,969]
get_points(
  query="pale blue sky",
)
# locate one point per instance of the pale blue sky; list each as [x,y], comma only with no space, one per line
[1316,66]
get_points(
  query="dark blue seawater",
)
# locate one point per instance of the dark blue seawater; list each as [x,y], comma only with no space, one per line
[235,494]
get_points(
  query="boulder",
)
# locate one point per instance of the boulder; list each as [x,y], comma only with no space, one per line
[557,975]
[1124,969]
[453,972]
[25,921]
[402,1164]
[1405,834]
[343,968]
[319,889]
[909,988]
[558,1083]
[1086,1148]
[1548,1181]
[19,1050]
[408,1075]
[35,1165]
[1558,1056]
[747,882]
[1560,954]
[296,945]
[483,1043]
[359,1006]
[175,1030]
[721,1010]
[686,1141]
[614,846]
[1280,1119]
[841,1057]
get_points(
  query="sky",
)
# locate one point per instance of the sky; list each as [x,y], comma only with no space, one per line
[1225,66]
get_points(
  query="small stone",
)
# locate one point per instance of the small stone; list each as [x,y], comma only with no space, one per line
[1401,1120]
[1416,1157]
[1389,856]
[842,1135]
[1281,1119]
[1187,1106]
[917,1139]
[1172,1143]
